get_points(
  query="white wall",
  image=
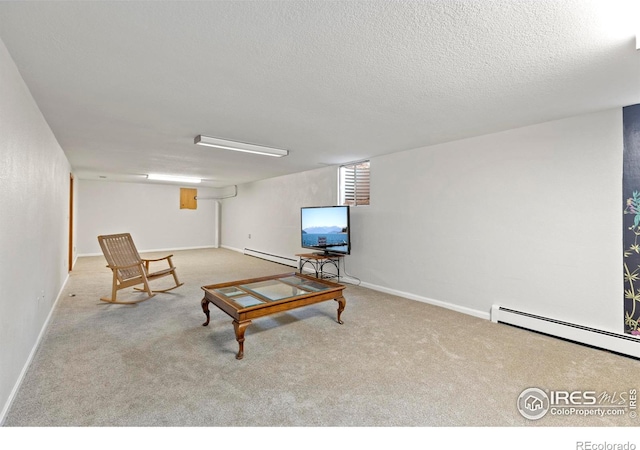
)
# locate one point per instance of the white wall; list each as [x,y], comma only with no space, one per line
[529,218]
[150,212]
[269,211]
[34,215]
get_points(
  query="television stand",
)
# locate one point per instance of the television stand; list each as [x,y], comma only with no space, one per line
[318,261]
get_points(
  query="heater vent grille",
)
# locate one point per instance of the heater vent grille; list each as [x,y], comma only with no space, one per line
[271,257]
[615,342]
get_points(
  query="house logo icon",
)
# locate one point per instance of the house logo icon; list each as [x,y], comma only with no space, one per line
[533,403]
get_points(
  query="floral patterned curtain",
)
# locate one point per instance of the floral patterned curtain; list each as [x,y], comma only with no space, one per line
[631,218]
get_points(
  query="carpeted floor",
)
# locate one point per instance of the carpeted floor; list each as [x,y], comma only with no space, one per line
[393,363]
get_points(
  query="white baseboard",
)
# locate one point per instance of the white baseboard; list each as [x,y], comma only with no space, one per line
[410,296]
[23,372]
[284,260]
[239,250]
[624,344]
[156,250]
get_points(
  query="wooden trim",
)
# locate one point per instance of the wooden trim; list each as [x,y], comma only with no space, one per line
[71,206]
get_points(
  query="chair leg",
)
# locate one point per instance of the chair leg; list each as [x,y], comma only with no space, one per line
[175,277]
[146,286]
[114,290]
[173,272]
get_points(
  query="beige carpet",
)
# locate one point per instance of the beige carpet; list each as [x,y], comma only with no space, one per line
[393,363]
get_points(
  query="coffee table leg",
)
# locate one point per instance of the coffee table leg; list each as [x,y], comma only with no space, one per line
[342,303]
[239,327]
[205,309]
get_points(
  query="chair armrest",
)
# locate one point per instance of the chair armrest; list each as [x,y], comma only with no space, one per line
[159,259]
[123,267]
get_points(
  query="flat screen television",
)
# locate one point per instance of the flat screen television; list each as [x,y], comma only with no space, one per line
[326,229]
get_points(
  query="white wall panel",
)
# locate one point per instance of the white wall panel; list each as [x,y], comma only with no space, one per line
[150,212]
[34,225]
[529,218]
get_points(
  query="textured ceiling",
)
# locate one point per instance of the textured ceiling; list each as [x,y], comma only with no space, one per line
[126,86]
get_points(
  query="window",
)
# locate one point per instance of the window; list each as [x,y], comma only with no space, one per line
[354,184]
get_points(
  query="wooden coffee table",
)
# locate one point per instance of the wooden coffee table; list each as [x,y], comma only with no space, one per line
[250,299]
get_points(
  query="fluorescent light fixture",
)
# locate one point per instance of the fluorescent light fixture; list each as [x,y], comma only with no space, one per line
[239,146]
[178,179]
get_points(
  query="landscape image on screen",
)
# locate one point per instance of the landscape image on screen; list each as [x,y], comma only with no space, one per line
[326,229]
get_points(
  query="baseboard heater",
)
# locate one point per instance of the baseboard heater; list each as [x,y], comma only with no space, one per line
[271,257]
[615,342]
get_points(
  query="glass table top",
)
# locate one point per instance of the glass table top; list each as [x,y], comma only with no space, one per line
[260,292]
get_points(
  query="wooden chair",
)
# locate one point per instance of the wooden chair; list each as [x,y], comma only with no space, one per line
[129,269]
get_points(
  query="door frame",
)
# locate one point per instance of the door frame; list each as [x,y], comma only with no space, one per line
[71,199]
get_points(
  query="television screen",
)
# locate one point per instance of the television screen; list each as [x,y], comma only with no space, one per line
[326,228]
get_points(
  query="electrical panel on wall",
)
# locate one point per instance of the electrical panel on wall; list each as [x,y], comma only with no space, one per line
[188,198]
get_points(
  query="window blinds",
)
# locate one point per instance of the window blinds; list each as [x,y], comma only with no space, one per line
[354,182]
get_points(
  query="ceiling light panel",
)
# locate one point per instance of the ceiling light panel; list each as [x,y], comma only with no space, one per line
[239,146]
[175,178]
